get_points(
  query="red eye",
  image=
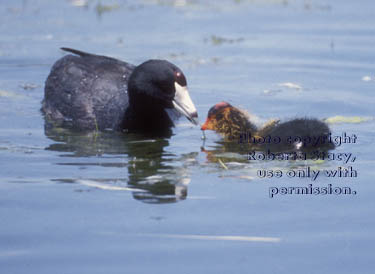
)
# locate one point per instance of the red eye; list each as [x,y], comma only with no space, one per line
[180,78]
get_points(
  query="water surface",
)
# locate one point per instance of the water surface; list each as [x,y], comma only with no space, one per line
[114,203]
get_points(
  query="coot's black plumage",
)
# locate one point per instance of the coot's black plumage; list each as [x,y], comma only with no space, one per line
[87,92]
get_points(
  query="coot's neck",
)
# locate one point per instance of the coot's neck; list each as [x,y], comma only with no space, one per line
[152,120]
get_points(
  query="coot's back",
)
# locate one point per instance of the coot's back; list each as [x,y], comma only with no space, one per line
[87,91]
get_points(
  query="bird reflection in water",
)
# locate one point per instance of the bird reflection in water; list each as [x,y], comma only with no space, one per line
[152,174]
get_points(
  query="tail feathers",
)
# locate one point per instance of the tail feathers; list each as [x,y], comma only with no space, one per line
[75,51]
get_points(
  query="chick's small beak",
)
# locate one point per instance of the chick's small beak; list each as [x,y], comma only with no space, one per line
[207,124]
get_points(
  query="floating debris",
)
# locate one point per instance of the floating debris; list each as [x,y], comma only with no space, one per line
[28,86]
[217,237]
[180,3]
[347,119]
[367,78]
[80,3]
[95,184]
[174,3]
[243,177]
[217,40]
[222,164]
[290,85]
[100,8]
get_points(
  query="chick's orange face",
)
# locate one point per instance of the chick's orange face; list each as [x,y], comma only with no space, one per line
[217,115]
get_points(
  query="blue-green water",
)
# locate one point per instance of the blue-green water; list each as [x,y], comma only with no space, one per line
[109,203]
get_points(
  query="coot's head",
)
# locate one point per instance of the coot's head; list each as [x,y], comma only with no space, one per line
[157,85]
[227,120]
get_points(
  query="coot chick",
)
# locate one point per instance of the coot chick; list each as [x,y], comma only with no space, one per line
[92,92]
[301,134]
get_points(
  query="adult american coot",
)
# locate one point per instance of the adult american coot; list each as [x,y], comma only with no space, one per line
[88,92]
[301,134]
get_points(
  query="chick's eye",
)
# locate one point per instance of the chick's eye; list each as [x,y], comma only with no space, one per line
[180,78]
